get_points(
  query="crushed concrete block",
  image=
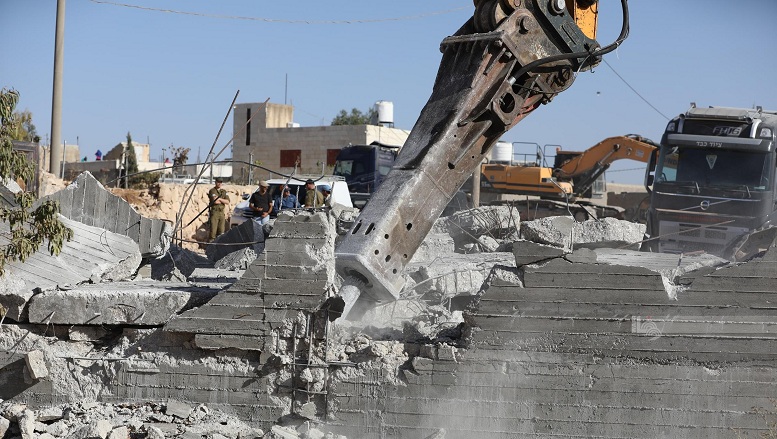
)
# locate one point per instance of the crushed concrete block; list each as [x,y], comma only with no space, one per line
[36,365]
[279,432]
[26,423]
[455,274]
[14,295]
[308,410]
[503,276]
[46,436]
[178,409]
[125,303]
[528,252]
[49,414]
[314,433]
[239,260]
[177,258]
[488,244]
[434,245]
[93,254]
[98,428]
[87,201]
[565,232]
[86,333]
[248,235]
[120,433]
[497,221]
[154,432]
[5,424]
[446,352]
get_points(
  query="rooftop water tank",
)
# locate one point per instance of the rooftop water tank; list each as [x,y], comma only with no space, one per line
[385,110]
[502,152]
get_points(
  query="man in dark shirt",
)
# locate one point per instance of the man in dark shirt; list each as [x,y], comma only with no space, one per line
[261,203]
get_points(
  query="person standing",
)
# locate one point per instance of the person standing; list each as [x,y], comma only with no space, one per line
[326,191]
[261,203]
[313,198]
[217,202]
[287,200]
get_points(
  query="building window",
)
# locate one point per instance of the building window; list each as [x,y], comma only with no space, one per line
[248,126]
[290,156]
[331,156]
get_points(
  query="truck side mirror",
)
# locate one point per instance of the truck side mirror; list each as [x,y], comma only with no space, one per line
[650,179]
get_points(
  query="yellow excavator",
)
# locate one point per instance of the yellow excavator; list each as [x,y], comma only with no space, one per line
[573,173]
[506,61]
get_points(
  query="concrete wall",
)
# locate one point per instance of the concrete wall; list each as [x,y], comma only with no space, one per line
[268,135]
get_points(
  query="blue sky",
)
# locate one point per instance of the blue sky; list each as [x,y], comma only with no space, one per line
[170,77]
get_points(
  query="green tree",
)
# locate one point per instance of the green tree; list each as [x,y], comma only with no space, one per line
[356,117]
[22,127]
[131,161]
[27,228]
[180,157]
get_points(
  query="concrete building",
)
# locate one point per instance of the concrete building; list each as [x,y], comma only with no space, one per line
[266,135]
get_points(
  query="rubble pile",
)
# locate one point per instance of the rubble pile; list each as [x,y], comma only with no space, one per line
[537,325]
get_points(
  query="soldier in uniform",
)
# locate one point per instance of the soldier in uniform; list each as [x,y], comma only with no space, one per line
[218,200]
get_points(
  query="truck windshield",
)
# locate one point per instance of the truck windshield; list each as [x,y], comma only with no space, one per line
[718,167]
[354,161]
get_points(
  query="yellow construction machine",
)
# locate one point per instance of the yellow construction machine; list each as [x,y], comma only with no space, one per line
[573,173]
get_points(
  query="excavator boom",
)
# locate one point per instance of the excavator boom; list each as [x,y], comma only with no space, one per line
[511,57]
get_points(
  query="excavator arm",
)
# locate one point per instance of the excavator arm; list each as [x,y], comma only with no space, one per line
[511,57]
[584,168]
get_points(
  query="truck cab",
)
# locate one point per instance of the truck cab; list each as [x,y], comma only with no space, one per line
[364,167]
[714,180]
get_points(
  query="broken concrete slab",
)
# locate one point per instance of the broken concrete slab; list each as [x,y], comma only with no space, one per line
[564,232]
[177,258]
[86,201]
[237,260]
[529,252]
[434,245]
[177,408]
[248,235]
[455,274]
[36,365]
[498,222]
[120,303]
[93,254]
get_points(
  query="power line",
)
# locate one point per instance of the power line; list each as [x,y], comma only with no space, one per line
[634,90]
[275,20]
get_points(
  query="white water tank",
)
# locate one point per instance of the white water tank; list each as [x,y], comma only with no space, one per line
[502,152]
[385,110]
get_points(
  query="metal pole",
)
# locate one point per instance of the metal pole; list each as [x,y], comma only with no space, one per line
[64,148]
[250,167]
[476,187]
[56,100]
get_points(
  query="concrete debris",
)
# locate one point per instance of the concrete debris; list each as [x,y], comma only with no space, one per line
[177,408]
[566,233]
[248,235]
[119,303]
[453,274]
[238,260]
[177,262]
[36,365]
[85,200]
[434,245]
[93,255]
[528,252]
[497,222]
[487,244]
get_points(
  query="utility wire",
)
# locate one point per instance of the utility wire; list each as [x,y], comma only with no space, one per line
[634,90]
[276,20]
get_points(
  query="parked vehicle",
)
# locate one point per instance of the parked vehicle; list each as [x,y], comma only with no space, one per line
[184,179]
[340,194]
[714,180]
[364,167]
